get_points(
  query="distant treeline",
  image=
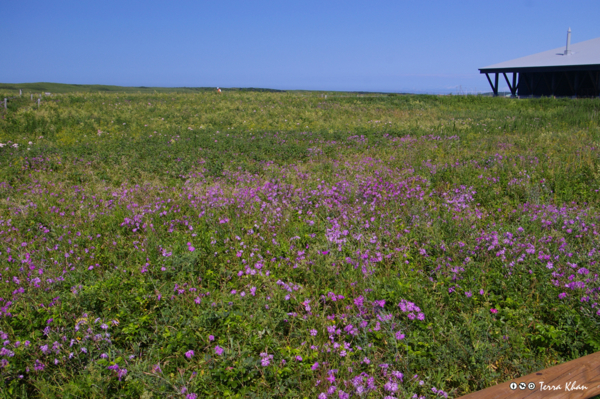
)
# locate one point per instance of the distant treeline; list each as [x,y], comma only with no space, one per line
[70,88]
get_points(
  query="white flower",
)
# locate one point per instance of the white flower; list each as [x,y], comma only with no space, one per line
[30,143]
[15,145]
[2,145]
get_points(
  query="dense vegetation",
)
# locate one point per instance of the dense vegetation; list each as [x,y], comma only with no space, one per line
[292,245]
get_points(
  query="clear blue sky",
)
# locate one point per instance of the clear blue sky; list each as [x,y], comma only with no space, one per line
[393,46]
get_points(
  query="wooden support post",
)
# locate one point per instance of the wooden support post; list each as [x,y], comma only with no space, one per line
[496,86]
[490,81]
[509,85]
[513,86]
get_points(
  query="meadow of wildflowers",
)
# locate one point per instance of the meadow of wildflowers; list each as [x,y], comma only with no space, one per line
[289,245]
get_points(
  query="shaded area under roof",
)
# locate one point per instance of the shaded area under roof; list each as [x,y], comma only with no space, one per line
[584,55]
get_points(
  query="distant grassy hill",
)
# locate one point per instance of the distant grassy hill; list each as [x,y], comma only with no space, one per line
[71,88]
[41,87]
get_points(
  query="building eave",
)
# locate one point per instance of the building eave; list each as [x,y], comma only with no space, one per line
[555,68]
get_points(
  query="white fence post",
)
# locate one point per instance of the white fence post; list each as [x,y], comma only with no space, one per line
[31,96]
[20,92]
[4,102]
[39,102]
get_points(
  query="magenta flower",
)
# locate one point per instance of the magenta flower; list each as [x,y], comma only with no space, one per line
[218,350]
[265,359]
[39,366]
[391,386]
[121,373]
[494,310]
[189,354]
[398,375]
[211,338]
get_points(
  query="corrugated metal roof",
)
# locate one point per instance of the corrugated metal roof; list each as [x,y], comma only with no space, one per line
[584,53]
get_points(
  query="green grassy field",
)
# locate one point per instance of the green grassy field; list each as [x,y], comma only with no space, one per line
[263,244]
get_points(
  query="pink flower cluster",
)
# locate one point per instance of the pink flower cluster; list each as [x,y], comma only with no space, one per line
[410,308]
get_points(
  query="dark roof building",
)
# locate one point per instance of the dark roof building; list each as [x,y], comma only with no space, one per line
[571,71]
